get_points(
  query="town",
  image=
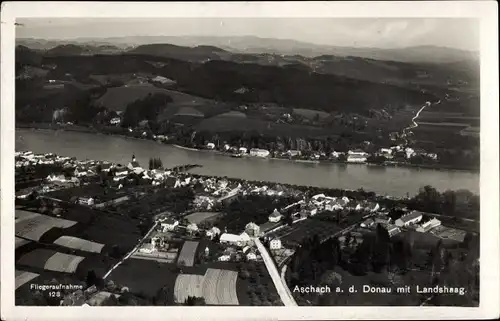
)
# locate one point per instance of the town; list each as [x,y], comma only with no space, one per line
[134,235]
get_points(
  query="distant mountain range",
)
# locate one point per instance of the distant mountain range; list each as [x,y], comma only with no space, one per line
[255,45]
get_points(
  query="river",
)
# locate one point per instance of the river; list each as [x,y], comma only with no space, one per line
[394,181]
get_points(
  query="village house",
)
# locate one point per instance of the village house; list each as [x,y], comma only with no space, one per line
[382,220]
[224,258]
[369,222]
[294,153]
[392,229]
[56,178]
[80,172]
[257,152]
[115,121]
[409,219]
[275,216]
[213,232]
[252,229]
[427,226]
[192,228]
[243,150]
[169,225]
[147,248]
[234,239]
[121,171]
[89,201]
[249,254]
[210,146]
[133,165]
[275,244]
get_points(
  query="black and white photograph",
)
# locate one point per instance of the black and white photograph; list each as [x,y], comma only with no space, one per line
[249,161]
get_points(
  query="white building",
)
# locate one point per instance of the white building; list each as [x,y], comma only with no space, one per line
[357,152]
[356,159]
[275,244]
[294,153]
[169,225]
[242,150]
[234,239]
[211,233]
[392,229]
[252,229]
[275,216]
[192,228]
[257,152]
[385,151]
[409,152]
[89,201]
[424,227]
[224,258]
[115,121]
[210,146]
[409,219]
[147,248]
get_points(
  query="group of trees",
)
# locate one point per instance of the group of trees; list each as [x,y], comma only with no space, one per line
[155,163]
[460,203]
[251,208]
[147,108]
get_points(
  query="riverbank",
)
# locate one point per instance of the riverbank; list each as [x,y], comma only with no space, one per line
[93,130]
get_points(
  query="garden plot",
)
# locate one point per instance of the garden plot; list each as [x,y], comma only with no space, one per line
[188,285]
[23,277]
[217,287]
[20,242]
[188,251]
[200,217]
[32,226]
[79,244]
[51,260]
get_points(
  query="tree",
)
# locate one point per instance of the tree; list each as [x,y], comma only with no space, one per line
[194,301]
[161,297]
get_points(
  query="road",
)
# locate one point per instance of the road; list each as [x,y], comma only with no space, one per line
[281,287]
[131,252]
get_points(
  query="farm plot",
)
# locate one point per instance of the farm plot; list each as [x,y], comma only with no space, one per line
[23,277]
[153,276]
[51,260]
[188,251]
[32,226]
[217,287]
[188,285]
[63,262]
[79,244]
[448,233]
[20,242]
[296,233]
[200,217]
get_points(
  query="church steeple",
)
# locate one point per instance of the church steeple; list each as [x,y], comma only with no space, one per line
[133,158]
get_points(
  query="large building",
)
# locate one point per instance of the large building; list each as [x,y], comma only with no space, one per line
[409,219]
[259,152]
[430,224]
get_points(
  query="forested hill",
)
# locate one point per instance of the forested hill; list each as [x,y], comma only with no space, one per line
[289,85]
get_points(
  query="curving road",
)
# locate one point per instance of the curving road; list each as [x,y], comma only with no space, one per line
[281,287]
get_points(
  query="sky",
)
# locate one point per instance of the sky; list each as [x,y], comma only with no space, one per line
[457,33]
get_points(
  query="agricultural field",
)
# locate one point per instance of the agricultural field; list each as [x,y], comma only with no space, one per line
[145,276]
[200,217]
[23,277]
[255,287]
[226,124]
[79,244]
[20,242]
[188,253]
[448,233]
[33,226]
[94,190]
[188,285]
[295,234]
[51,260]
[217,287]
